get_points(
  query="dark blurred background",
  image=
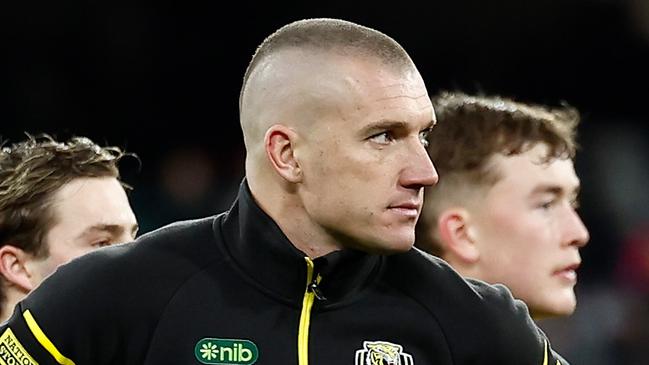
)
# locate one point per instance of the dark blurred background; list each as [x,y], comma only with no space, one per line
[162,80]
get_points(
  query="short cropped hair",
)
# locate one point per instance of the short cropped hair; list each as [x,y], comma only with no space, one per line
[324,34]
[470,130]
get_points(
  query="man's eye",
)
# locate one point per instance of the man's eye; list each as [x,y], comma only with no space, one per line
[102,243]
[574,203]
[382,138]
[423,136]
[547,204]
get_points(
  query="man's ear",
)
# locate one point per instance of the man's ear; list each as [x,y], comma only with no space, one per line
[280,143]
[13,266]
[456,234]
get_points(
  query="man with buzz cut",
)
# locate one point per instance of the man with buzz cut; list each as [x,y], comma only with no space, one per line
[314,263]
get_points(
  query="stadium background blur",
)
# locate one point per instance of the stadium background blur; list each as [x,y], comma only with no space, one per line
[162,80]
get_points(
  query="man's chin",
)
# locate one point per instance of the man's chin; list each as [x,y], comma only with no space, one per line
[391,247]
[554,310]
[382,242]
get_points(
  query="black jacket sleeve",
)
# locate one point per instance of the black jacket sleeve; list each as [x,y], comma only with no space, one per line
[482,323]
[71,321]
[103,308]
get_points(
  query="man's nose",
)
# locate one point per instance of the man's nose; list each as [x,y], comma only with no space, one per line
[420,171]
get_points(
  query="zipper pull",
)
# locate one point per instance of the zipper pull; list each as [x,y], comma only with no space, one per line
[315,289]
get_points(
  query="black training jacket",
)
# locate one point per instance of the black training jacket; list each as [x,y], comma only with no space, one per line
[231,289]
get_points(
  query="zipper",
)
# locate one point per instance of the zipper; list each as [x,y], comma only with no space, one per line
[310,294]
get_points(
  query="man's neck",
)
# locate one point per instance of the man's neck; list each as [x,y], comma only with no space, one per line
[289,214]
[12,298]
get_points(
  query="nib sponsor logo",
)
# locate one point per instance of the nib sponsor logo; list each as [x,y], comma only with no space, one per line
[218,351]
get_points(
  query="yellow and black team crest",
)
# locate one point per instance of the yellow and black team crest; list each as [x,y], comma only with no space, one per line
[382,353]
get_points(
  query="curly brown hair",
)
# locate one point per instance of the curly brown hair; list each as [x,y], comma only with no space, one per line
[32,171]
[472,129]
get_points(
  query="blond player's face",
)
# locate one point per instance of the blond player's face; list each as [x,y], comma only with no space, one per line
[529,234]
[89,213]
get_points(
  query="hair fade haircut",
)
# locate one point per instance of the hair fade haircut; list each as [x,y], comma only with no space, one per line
[472,129]
[325,34]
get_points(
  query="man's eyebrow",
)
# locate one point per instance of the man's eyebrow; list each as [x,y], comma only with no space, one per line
[556,189]
[431,124]
[385,124]
[110,228]
[388,124]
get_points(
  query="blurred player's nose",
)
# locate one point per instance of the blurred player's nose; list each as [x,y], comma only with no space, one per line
[576,232]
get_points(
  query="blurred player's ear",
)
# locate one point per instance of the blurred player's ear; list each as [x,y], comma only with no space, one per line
[455,234]
[13,267]
[279,144]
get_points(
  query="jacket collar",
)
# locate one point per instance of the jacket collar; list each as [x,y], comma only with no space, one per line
[260,248]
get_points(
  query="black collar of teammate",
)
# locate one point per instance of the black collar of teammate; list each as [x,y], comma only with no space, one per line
[264,253]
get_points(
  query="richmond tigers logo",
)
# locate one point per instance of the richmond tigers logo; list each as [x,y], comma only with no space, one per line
[382,353]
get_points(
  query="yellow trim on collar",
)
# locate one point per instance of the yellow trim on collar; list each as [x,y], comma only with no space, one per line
[44,341]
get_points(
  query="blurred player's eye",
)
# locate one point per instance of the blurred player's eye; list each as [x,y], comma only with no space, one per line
[101,243]
[547,204]
[574,203]
[574,199]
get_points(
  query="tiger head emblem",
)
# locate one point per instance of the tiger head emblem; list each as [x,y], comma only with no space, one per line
[382,353]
